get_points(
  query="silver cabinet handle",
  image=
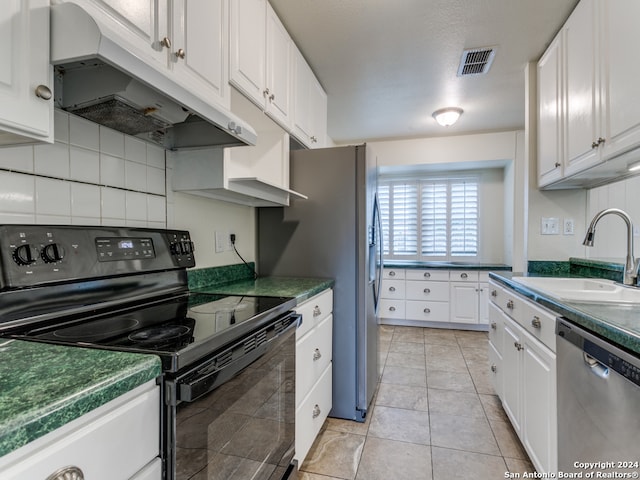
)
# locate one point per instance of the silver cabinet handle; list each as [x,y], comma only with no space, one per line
[427,290]
[510,305]
[535,322]
[316,354]
[427,275]
[266,92]
[392,289]
[316,311]
[166,42]
[427,310]
[494,325]
[557,164]
[518,345]
[392,309]
[67,473]
[494,369]
[464,275]
[392,273]
[313,139]
[494,293]
[43,92]
[272,97]
[316,411]
[180,53]
[597,143]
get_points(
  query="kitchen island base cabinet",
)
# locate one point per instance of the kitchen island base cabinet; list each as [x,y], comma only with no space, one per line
[120,439]
[314,367]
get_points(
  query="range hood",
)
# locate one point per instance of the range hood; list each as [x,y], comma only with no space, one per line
[98,79]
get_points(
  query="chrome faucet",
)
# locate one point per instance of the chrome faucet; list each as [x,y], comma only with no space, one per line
[630,265]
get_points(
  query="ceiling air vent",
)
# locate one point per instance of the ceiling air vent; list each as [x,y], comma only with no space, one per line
[476,61]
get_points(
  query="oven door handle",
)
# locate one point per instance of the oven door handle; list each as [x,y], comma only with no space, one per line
[197,384]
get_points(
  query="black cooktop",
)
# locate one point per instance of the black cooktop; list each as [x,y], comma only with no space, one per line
[180,330]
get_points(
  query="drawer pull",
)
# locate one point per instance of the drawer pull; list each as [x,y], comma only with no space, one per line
[535,322]
[427,275]
[316,411]
[316,311]
[494,369]
[510,305]
[392,273]
[67,473]
[316,354]
[427,310]
[518,346]
[392,309]
[427,290]
[464,275]
[494,326]
[494,293]
[392,289]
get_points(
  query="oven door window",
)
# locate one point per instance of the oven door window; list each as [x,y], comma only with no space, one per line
[244,428]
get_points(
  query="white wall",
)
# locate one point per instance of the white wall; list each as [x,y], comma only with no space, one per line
[93,175]
[611,233]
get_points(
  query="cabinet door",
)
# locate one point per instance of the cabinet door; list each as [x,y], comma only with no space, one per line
[550,152]
[142,25]
[278,73]
[199,51]
[302,76]
[464,302]
[621,97]
[581,123]
[483,303]
[25,37]
[247,36]
[539,405]
[512,373]
[318,114]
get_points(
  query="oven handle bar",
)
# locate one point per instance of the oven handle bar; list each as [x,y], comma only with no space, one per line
[206,378]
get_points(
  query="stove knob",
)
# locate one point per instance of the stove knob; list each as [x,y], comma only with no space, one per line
[187,247]
[174,248]
[52,253]
[23,255]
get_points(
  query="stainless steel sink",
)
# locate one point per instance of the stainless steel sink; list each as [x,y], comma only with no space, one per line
[583,290]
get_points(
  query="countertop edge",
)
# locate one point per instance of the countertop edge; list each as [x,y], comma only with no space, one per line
[611,332]
[448,266]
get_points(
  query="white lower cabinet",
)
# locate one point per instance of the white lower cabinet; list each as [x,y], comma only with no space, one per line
[523,368]
[120,439]
[314,346]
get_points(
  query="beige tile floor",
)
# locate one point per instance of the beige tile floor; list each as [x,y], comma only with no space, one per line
[435,417]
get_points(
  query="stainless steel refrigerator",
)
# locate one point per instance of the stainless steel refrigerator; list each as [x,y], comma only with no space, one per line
[335,233]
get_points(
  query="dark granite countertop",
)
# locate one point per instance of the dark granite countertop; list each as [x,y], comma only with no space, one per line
[300,288]
[446,265]
[43,387]
[616,322]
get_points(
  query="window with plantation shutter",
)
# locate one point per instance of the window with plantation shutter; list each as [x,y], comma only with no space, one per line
[429,219]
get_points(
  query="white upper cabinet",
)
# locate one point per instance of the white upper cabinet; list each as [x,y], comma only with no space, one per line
[310,105]
[26,80]
[186,39]
[260,58]
[590,69]
[200,50]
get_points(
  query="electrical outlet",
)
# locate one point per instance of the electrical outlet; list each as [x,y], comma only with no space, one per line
[568,226]
[550,226]
[235,240]
[221,241]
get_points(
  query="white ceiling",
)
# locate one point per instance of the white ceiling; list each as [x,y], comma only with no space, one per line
[386,65]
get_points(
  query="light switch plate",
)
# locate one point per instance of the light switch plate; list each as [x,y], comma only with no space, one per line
[222,239]
[550,226]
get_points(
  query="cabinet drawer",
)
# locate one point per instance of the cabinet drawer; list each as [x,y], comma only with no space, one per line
[392,289]
[432,291]
[420,274]
[540,323]
[312,413]
[495,327]
[313,355]
[391,308]
[463,276]
[507,300]
[427,311]
[393,273]
[114,441]
[314,310]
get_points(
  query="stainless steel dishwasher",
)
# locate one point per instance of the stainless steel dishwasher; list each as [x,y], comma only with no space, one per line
[598,404]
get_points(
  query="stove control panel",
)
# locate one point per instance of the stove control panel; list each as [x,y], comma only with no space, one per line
[32,255]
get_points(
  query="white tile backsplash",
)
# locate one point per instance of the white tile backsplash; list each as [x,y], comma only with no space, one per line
[91,175]
[17,193]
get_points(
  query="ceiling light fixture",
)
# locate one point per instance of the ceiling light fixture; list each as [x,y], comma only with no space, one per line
[633,167]
[447,116]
